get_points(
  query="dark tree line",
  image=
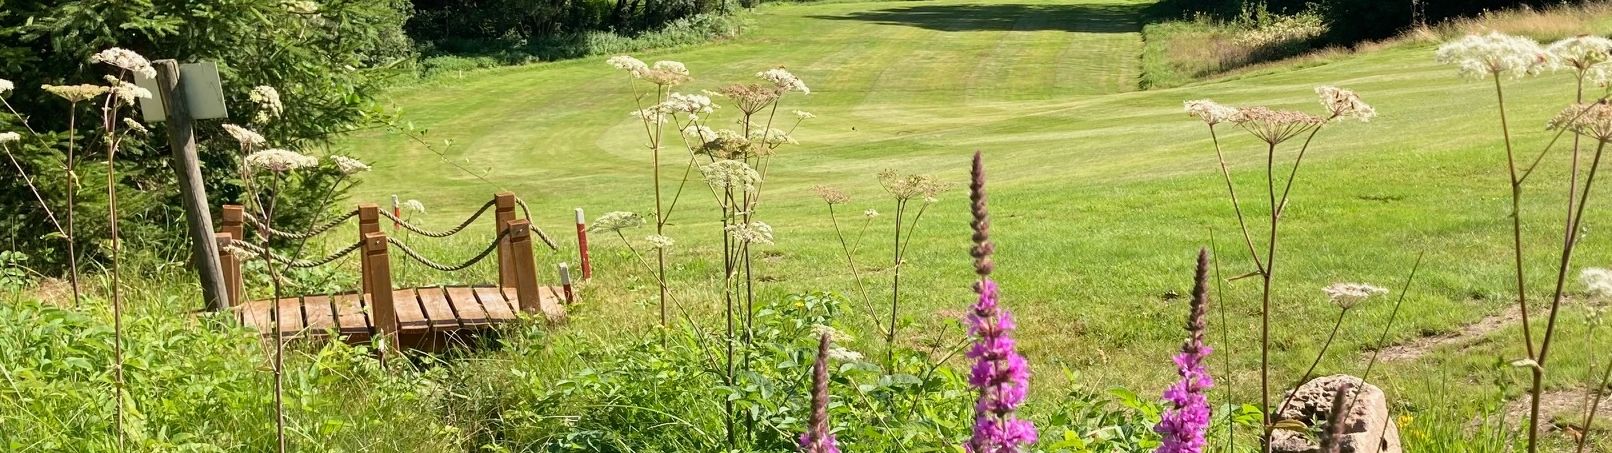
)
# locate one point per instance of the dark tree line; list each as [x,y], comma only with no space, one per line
[1355,20]
[469,26]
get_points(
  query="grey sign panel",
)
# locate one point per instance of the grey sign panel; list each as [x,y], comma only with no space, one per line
[204,93]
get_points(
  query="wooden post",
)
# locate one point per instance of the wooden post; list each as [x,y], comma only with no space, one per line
[520,234]
[379,274]
[231,267]
[582,245]
[230,221]
[503,213]
[369,221]
[565,282]
[193,194]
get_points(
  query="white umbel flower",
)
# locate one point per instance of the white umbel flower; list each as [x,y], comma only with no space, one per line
[1346,295]
[632,65]
[805,115]
[1589,57]
[659,241]
[616,221]
[349,166]
[784,80]
[268,102]
[245,136]
[6,85]
[1493,55]
[125,91]
[280,160]
[8,137]
[413,205]
[843,355]
[126,59]
[1345,103]
[687,103]
[1210,112]
[135,126]
[730,174]
[753,233]
[1598,280]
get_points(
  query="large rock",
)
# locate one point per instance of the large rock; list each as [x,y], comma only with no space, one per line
[1368,428]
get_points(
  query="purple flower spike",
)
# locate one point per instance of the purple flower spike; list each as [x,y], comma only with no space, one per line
[1186,420]
[817,438]
[1000,374]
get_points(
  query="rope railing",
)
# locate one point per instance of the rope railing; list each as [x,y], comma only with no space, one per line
[440,234]
[540,234]
[416,256]
[247,248]
[313,231]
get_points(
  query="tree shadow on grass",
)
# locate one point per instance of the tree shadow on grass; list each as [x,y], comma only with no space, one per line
[1008,17]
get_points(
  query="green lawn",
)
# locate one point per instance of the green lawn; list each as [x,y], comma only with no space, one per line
[1101,194]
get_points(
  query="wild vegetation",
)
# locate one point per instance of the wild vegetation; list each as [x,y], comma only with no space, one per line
[724,326]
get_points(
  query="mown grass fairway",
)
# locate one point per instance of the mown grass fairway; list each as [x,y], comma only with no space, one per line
[1101,194]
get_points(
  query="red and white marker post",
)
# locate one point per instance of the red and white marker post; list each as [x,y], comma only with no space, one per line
[397,213]
[582,245]
[565,282]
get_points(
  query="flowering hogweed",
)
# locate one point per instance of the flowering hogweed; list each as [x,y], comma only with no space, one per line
[1346,295]
[6,85]
[1000,374]
[615,221]
[1597,280]
[126,59]
[349,166]
[1593,120]
[247,137]
[8,137]
[1186,419]
[280,160]
[1345,104]
[1589,57]
[75,93]
[1210,112]
[1495,54]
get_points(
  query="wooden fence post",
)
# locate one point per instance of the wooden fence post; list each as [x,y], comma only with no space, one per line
[520,234]
[230,219]
[232,269]
[503,213]
[369,221]
[193,194]
[565,282]
[378,273]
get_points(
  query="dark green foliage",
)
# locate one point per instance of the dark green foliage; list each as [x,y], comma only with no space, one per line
[513,30]
[327,66]
[1349,21]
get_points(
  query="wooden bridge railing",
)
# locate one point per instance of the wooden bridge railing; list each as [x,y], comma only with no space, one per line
[517,268]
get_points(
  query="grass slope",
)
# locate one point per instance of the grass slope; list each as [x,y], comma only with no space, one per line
[1101,194]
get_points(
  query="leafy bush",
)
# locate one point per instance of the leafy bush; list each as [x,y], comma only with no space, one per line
[464,56]
[327,63]
[1178,52]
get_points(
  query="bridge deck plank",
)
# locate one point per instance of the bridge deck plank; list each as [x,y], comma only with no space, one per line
[419,310]
[466,307]
[434,301]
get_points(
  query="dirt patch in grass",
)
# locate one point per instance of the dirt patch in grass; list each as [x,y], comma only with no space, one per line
[1466,335]
[1561,410]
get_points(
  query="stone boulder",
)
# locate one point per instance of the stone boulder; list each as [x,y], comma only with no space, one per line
[1368,428]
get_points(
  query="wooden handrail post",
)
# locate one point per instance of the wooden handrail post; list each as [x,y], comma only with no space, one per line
[503,213]
[369,221]
[520,235]
[230,219]
[378,273]
[232,269]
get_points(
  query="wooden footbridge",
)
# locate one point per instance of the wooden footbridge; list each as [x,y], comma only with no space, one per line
[428,317]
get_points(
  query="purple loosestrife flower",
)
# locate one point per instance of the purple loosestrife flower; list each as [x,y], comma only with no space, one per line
[1001,375]
[817,438]
[1186,420]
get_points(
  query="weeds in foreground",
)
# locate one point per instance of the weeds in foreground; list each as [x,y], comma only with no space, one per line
[733,162]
